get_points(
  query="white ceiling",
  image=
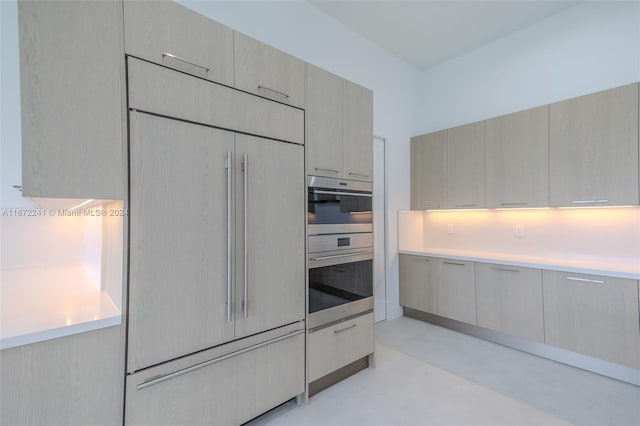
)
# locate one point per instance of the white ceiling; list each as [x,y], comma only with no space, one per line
[427,32]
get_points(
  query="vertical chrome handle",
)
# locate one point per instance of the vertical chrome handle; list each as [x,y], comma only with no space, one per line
[228,164]
[245,177]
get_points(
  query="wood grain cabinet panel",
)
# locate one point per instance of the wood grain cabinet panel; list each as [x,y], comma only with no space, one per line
[72,380]
[72,99]
[269,72]
[172,35]
[594,149]
[465,167]
[429,171]
[338,345]
[324,123]
[178,242]
[517,159]
[357,132]
[593,315]
[225,390]
[456,290]
[418,283]
[509,299]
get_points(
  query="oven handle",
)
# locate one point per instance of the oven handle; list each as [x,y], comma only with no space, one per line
[337,256]
[354,194]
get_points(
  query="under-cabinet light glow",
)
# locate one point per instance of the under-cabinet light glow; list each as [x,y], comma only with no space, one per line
[84,203]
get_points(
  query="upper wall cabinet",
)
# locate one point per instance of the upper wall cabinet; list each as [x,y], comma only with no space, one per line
[594,149]
[465,167]
[339,127]
[72,81]
[174,36]
[517,159]
[357,131]
[324,122]
[269,72]
[429,171]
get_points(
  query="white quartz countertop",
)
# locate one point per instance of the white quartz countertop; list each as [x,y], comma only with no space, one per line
[594,267]
[48,302]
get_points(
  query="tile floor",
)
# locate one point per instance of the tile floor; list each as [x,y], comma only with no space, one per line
[428,375]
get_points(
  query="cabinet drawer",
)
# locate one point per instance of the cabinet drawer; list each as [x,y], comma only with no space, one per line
[174,36]
[268,72]
[163,91]
[592,315]
[228,389]
[336,346]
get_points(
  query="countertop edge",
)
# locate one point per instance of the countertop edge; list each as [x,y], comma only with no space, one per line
[54,333]
[554,266]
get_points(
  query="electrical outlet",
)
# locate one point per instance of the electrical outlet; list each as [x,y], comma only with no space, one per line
[519,231]
[450,228]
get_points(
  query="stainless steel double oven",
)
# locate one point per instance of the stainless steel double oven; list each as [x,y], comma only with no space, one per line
[340,228]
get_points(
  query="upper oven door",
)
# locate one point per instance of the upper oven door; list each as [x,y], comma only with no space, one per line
[339,206]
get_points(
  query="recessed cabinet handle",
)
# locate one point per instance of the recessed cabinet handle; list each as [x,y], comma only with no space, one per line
[585,280]
[465,205]
[514,204]
[178,58]
[358,174]
[454,264]
[319,169]
[345,329]
[273,91]
[245,174]
[505,270]
[589,201]
[229,167]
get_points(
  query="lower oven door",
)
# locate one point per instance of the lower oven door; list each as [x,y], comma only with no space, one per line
[340,286]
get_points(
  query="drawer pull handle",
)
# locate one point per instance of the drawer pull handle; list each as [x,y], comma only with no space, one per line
[338,256]
[345,329]
[273,91]
[506,270]
[514,204]
[465,205]
[585,280]
[319,169]
[187,370]
[589,201]
[178,58]
[454,264]
[358,174]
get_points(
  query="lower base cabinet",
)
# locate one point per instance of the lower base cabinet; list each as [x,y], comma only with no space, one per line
[457,290]
[71,380]
[228,385]
[593,315]
[418,283]
[509,299]
[340,344]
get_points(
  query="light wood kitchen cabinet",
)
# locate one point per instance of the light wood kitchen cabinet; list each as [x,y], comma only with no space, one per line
[429,171]
[456,290]
[594,149]
[73,105]
[324,123]
[517,159]
[465,167]
[418,283]
[338,345]
[593,315]
[219,386]
[169,34]
[509,299]
[178,239]
[274,232]
[357,132]
[269,72]
[74,380]
[339,127]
